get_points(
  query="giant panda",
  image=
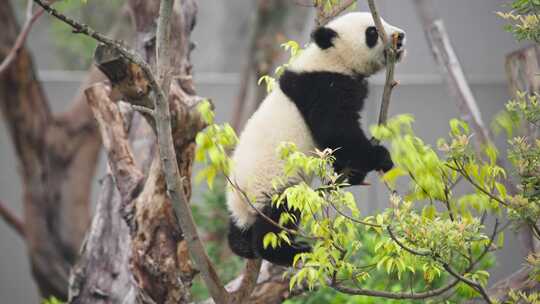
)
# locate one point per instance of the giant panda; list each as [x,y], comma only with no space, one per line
[316,105]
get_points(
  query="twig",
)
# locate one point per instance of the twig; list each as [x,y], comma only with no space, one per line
[447,267]
[142,109]
[19,42]
[351,218]
[465,175]
[84,29]
[390,48]
[12,220]
[378,22]
[264,216]
[400,244]
[248,282]
[395,295]
[469,282]
[324,17]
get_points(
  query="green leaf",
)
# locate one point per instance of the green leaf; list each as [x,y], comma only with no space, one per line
[270,239]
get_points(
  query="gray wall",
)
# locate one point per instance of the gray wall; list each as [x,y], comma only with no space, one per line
[221,35]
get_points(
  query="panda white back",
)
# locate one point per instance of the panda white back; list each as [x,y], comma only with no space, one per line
[255,159]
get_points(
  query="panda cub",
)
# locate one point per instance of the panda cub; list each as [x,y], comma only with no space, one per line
[316,105]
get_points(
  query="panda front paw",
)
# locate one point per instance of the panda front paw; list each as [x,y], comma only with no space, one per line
[383,160]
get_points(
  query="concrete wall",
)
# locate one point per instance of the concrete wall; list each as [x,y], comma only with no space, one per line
[221,35]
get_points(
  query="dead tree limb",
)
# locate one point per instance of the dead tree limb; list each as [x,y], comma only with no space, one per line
[11,219]
[446,58]
[19,42]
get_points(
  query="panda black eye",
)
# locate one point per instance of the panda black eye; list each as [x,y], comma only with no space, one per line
[372,36]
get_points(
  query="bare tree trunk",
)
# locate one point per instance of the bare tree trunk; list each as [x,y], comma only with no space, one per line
[159,262]
[275,22]
[57,156]
[102,273]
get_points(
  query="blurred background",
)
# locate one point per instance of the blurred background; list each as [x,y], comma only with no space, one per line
[222,37]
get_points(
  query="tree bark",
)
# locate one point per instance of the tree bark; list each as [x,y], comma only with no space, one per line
[159,260]
[57,156]
[275,22]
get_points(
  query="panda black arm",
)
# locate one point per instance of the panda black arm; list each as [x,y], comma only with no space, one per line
[330,103]
[356,155]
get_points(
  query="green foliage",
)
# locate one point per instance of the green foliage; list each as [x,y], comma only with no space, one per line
[75,50]
[524,20]
[51,300]
[429,227]
[519,297]
[520,120]
[328,5]
[412,240]
[213,145]
[429,234]
[295,50]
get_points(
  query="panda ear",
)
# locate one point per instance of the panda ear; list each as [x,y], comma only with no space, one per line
[324,37]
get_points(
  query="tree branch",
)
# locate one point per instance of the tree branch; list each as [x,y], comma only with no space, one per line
[11,219]
[168,160]
[120,157]
[19,42]
[391,56]
[396,295]
[445,56]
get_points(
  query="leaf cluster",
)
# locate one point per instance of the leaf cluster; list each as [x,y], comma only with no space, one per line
[524,20]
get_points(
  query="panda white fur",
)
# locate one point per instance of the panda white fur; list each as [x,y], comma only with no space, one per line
[316,105]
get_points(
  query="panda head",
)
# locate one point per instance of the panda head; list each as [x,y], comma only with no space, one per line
[349,44]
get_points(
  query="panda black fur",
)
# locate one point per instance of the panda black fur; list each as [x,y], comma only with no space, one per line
[316,105]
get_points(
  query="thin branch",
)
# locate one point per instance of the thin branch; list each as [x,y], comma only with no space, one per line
[19,42]
[465,175]
[395,295]
[169,164]
[391,52]
[142,109]
[447,267]
[11,219]
[400,244]
[324,17]
[84,29]
[469,282]
[248,281]
[351,218]
[264,216]
[378,22]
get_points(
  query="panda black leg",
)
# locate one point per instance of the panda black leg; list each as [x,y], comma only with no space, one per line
[240,241]
[282,255]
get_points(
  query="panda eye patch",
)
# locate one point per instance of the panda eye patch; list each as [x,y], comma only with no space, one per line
[372,36]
